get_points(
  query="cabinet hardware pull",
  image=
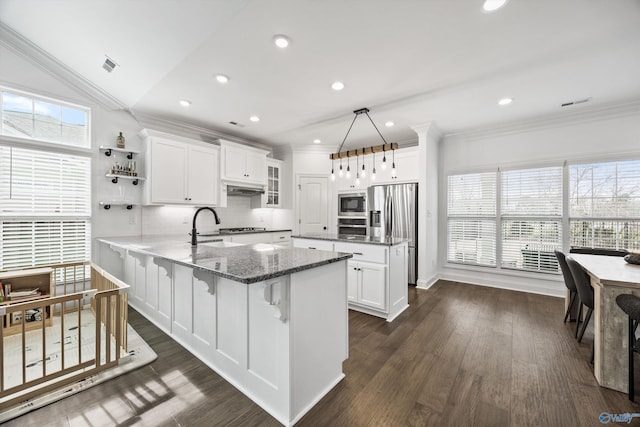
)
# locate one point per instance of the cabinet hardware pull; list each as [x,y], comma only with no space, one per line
[358,253]
[311,247]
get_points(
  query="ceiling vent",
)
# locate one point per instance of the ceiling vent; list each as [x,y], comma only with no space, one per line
[580,101]
[109,64]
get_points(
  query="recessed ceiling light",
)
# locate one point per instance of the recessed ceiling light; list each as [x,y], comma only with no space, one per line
[505,101]
[493,5]
[337,85]
[316,141]
[281,41]
[389,124]
[221,78]
[254,118]
[185,102]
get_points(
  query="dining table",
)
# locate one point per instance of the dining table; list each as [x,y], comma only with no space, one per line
[610,276]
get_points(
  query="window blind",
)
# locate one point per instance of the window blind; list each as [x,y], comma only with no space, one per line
[531,218]
[471,219]
[45,207]
[604,205]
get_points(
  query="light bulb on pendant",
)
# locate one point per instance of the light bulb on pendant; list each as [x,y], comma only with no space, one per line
[364,172]
[333,175]
[373,171]
[340,173]
[348,168]
[357,178]
[393,165]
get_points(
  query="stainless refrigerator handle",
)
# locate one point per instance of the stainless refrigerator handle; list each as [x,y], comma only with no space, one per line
[390,232]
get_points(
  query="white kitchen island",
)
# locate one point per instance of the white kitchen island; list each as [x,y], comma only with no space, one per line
[271,321]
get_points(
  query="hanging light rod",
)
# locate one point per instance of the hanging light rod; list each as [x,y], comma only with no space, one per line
[362,151]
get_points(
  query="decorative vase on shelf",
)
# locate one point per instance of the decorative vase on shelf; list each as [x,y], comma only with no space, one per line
[120,140]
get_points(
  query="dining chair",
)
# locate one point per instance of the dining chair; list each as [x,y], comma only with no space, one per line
[630,304]
[585,294]
[568,282]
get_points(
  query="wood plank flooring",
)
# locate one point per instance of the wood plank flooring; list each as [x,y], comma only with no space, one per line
[460,355]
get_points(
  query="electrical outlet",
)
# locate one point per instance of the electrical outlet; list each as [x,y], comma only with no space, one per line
[185,220]
[132,219]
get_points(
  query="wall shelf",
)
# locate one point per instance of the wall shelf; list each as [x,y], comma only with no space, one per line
[114,178]
[127,205]
[109,150]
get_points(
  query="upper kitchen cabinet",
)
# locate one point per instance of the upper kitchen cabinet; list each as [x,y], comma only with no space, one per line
[180,171]
[272,197]
[243,164]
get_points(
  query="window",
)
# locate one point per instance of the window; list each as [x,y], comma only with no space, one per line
[28,116]
[471,219]
[45,194]
[531,218]
[604,205]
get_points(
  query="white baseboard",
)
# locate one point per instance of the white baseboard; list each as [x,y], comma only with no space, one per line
[541,286]
[427,283]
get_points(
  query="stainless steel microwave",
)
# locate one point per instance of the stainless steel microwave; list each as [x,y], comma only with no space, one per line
[352,204]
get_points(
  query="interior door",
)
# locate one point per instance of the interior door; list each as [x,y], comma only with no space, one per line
[313,212]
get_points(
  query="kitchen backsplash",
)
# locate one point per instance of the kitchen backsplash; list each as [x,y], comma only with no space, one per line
[178,220]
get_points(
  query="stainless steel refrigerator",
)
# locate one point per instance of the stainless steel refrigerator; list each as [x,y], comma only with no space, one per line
[393,212]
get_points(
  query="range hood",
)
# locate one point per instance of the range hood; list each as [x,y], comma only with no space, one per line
[236,190]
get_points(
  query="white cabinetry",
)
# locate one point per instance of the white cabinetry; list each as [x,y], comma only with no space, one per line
[367,283]
[180,171]
[322,245]
[243,164]
[377,275]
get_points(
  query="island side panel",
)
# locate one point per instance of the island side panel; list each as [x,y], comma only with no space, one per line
[398,280]
[319,333]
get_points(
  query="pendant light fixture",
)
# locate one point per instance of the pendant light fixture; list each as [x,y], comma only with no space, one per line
[373,171]
[363,151]
[384,159]
[340,173]
[333,175]
[348,169]
[393,163]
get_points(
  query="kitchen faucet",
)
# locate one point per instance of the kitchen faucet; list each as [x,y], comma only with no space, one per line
[194,232]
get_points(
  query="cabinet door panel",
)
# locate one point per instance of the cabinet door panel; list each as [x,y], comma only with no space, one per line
[168,174]
[234,161]
[352,281]
[202,176]
[372,285]
[256,167]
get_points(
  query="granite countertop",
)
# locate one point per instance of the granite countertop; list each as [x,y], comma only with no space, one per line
[370,240]
[244,264]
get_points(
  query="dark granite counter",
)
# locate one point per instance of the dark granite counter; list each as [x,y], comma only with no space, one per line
[384,241]
[245,263]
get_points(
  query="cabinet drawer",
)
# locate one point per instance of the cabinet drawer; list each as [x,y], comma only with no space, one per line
[371,253]
[281,237]
[322,245]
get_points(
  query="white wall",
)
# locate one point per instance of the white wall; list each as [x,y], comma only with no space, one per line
[613,135]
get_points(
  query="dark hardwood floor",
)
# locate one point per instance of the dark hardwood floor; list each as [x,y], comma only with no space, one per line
[460,355]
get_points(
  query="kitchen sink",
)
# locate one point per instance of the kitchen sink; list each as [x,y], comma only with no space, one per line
[221,244]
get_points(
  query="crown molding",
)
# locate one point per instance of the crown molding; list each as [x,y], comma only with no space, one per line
[57,69]
[189,130]
[550,121]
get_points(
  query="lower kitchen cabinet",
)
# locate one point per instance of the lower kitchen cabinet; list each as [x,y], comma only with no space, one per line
[367,283]
[377,275]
